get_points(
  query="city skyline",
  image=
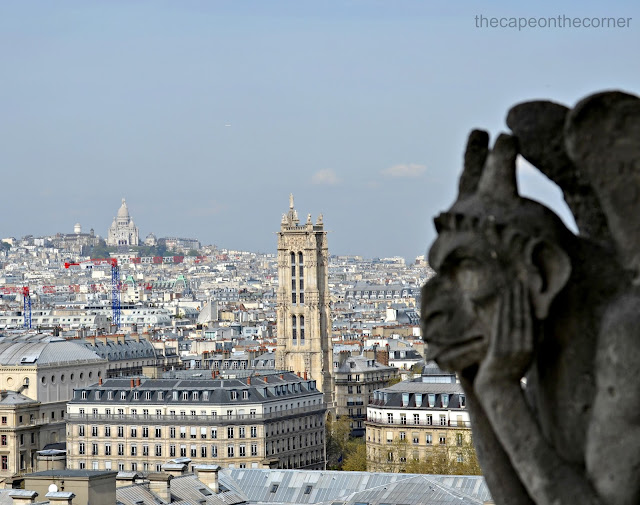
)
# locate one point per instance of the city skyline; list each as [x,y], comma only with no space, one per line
[206,115]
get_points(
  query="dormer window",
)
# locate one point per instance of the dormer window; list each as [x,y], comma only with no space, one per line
[463,401]
[110,395]
[185,395]
[205,395]
[160,395]
[234,395]
[445,400]
[418,398]
[97,395]
[195,395]
[136,395]
[431,398]
[175,396]
[148,395]
[123,395]
[405,399]
[245,395]
[84,395]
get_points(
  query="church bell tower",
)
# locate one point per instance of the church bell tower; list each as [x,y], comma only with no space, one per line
[304,322]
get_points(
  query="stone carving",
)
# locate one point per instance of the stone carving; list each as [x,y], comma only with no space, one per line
[543,325]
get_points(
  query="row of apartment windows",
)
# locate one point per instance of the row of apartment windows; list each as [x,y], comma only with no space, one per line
[443,421]
[416,438]
[184,451]
[157,430]
[4,419]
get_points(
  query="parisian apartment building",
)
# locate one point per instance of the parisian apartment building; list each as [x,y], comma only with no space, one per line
[274,420]
[412,418]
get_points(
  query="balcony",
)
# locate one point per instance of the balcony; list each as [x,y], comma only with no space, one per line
[197,419]
[407,425]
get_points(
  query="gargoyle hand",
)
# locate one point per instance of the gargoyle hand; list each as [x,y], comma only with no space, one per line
[511,344]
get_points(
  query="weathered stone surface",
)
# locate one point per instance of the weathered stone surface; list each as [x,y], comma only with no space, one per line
[518,296]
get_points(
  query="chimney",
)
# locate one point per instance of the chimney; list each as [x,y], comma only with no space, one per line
[248,381]
[282,376]
[305,375]
[132,383]
[22,496]
[208,475]
[60,497]
[138,382]
[266,378]
[160,485]
[213,374]
[175,469]
[100,381]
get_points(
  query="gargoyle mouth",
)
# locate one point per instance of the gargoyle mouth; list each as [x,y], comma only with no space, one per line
[436,348]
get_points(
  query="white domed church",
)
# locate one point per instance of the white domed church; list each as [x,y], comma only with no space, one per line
[123,231]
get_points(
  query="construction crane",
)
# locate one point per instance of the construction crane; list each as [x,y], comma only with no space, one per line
[115,284]
[26,301]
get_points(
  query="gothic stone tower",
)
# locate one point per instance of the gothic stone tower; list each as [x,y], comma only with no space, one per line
[304,322]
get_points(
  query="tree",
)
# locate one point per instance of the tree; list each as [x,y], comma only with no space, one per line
[337,436]
[356,456]
[192,252]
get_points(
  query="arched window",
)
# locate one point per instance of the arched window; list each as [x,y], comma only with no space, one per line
[301,330]
[293,329]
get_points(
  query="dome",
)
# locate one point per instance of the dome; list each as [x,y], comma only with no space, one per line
[123,211]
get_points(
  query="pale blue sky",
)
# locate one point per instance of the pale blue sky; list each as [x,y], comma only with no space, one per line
[360,108]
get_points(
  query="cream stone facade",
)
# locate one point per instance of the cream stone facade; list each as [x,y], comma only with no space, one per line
[123,232]
[274,420]
[303,311]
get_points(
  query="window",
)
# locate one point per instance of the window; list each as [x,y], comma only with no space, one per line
[254,431]
[81,448]
[120,431]
[254,449]
[429,419]
[403,435]
[4,419]
[416,438]
[84,395]
[443,420]
[172,450]
[194,451]
[443,440]
[94,431]
[241,432]
[185,395]
[274,488]
[172,432]
[234,395]
[81,430]
[243,451]
[214,451]
[403,418]
[158,432]
[145,450]
[459,439]
[134,431]
[107,449]
[107,431]
[459,458]
[307,489]
[94,449]
[230,432]
[390,418]
[203,451]
[183,451]
[123,395]
[158,450]
[5,460]
[4,440]
[214,432]
[230,451]
[416,418]
[120,449]
[428,439]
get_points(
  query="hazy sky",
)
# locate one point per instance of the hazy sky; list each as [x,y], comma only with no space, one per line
[205,115]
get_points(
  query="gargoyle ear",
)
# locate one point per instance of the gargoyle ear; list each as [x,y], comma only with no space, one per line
[548,275]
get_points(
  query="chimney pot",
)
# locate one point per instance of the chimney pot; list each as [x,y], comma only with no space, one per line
[138,382]
[248,381]
[132,383]
[305,375]
[266,378]
[100,381]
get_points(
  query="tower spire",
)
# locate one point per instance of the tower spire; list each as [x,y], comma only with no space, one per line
[291,201]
